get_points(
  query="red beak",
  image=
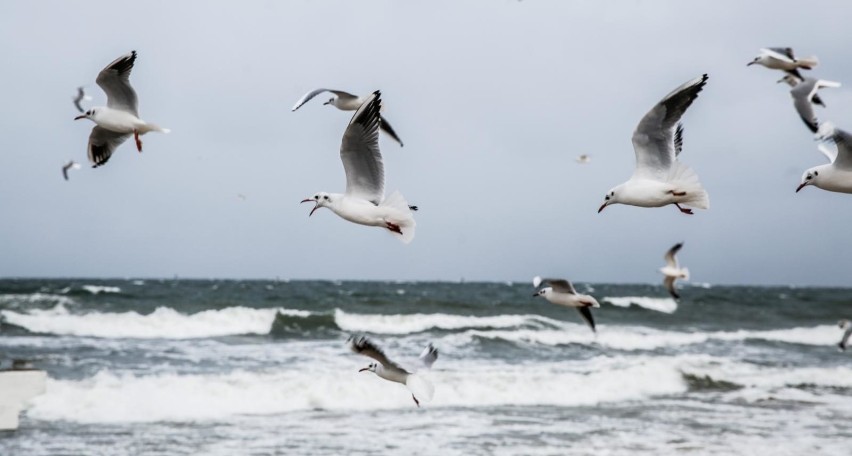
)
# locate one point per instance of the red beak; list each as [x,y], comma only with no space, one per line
[801,186]
[601,208]
[80,117]
[308,200]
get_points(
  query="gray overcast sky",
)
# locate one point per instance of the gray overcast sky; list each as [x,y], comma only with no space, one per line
[494,100]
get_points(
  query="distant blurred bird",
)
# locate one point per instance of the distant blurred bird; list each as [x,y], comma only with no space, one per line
[421,389]
[783,59]
[241,196]
[79,98]
[672,271]
[120,117]
[70,165]
[803,95]
[847,326]
[793,81]
[562,292]
[583,159]
[345,101]
[835,176]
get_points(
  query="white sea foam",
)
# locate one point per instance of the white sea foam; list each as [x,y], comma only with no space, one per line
[98,289]
[112,398]
[164,322]
[412,323]
[12,300]
[666,305]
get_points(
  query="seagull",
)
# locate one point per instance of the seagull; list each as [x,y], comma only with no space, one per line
[783,59]
[345,101]
[421,389]
[562,292]
[660,179]
[120,117]
[364,202]
[70,165]
[672,271]
[847,327]
[803,94]
[583,159]
[835,176]
[81,96]
[793,81]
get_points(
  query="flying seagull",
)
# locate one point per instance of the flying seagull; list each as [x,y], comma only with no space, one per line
[836,176]
[803,95]
[784,60]
[847,327]
[660,179]
[120,117]
[70,165]
[345,101]
[562,292]
[672,271]
[364,202]
[79,98]
[421,389]
[793,81]
[583,159]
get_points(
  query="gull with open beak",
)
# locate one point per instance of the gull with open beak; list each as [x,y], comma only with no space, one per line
[421,389]
[364,202]
[835,176]
[120,117]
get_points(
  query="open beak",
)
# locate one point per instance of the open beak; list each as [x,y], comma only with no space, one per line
[801,186]
[362,370]
[80,117]
[535,294]
[309,200]
[601,208]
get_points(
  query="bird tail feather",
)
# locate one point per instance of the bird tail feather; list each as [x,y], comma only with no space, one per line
[685,273]
[153,127]
[807,63]
[402,216]
[420,387]
[685,179]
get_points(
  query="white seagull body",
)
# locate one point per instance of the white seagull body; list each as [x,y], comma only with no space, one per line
[364,202]
[346,101]
[784,60]
[672,271]
[793,80]
[421,389]
[562,292]
[659,178]
[120,117]
[846,326]
[835,176]
[803,98]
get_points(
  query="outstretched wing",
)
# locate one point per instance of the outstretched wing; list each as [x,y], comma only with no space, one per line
[560,285]
[102,144]
[429,355]
[658,138]
[115,81]
[366,347]
[362,160]
[669,282]
[671,259]
[586,313]
[308,96]
[386,127]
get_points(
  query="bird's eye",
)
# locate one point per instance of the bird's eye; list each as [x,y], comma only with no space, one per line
[816,173]
[325,197]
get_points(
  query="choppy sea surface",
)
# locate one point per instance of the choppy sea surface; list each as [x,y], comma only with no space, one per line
[195,367]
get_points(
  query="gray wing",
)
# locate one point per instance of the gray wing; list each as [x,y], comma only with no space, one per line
[362,160]
[66,168]
[363,346]
[308,96]
[81,94]
[386,127]
[115,81]
[669,282]
[671,260]
[845,339]
[429,355]
[802,95]
[658,138]
[784,51]
[561,285]
[586,313]
[843,141]
[102,143]
[779,53]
